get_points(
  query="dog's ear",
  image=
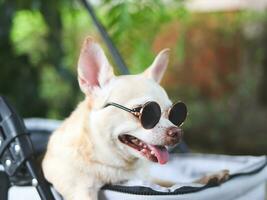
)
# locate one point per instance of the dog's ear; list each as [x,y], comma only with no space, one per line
[158,67]
[94,70]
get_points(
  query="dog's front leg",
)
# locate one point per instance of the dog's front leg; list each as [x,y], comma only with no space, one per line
[144,174]
[215,178]
[163,183]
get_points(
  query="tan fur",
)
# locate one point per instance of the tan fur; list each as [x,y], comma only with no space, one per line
[215,178]
[71,145]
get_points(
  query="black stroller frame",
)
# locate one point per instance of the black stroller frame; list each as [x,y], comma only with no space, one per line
[17,154]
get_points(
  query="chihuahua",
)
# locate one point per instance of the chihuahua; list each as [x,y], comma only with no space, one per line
[123,123]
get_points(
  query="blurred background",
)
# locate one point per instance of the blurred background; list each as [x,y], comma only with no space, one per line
[218,62]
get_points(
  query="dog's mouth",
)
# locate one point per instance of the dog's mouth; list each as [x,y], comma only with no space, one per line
[154,153]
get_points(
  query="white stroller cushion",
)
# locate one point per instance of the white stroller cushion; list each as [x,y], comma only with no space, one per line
[247,177]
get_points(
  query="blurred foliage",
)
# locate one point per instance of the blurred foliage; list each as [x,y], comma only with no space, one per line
[218,64]
[136,24]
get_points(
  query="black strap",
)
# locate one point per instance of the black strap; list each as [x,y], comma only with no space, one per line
[113,50]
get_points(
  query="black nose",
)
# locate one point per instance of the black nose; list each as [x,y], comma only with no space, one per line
[174,135]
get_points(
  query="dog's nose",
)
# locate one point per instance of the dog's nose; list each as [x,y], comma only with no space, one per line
[174,135]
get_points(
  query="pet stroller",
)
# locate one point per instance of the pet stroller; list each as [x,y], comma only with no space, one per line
[20,147]
[22,143]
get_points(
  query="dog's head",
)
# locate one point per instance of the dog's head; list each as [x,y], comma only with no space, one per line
[124,129]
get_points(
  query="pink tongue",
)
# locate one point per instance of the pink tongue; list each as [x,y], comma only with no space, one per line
[161,153]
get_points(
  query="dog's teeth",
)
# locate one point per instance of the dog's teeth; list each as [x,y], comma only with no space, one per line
[152,152]
[134,140]
[143,151]
[140,143]
[145,146]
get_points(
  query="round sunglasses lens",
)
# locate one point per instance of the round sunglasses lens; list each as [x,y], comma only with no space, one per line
[178,113]
[150,115]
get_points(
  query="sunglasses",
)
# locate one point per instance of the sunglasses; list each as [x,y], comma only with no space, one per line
[149,113]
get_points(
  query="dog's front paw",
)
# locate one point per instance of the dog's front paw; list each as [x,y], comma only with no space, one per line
[215,179]
[163,183]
